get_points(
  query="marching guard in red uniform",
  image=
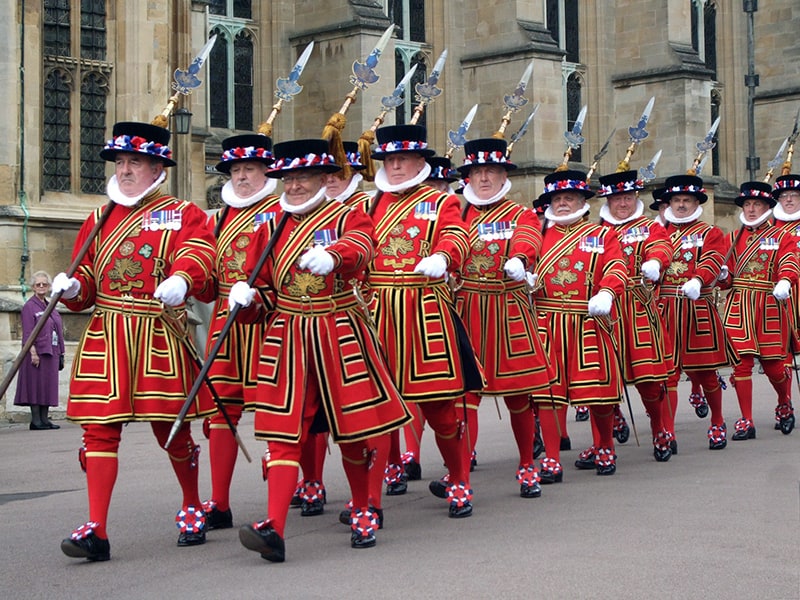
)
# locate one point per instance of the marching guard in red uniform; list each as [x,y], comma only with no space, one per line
[787,216]
[695,335]
[760,273]
[494,301]
[580,273]
[249,202]
[421,236]
[135,361]
[639,330]
[320,357]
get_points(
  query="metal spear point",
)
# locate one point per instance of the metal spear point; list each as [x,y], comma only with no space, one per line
[516,100]
[521,131]
[364,73]
[637,134]
[288,87]
[186,80]
[787,164]
[574,137]
[428,92]
[600,154]
[773,164]
[396,99]
[703,146]
[457,139]
[648,173]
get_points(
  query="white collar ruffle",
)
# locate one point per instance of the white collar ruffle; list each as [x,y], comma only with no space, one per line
[671,218]
[569,219]
[605,214]
[230,198]
[306,207]
[472,198]
[116,195]
[382,182]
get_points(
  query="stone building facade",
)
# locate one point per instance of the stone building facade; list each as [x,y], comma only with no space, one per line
[71,68]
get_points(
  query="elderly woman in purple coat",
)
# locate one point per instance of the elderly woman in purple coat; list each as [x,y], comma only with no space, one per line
[37,382]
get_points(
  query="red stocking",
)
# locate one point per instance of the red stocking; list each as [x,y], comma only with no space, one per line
[222,453]
[101,443]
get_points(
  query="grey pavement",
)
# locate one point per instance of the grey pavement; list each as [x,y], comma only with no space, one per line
[703,525]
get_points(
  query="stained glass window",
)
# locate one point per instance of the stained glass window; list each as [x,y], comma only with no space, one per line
[93,29]
[56,27]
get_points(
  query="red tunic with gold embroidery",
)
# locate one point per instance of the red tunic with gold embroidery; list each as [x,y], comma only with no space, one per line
[694,330]
[755,320]
[640,329]
[496,309]
[416,320]
[793,229]
[577,262]
[233,371]
[134,361]
[317,334]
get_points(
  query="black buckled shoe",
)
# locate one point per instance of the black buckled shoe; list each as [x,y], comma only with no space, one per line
[673,445]
[744,430]
[398,488]
[699,404]
[438,487]
[605,461]
[413,470]
[585,460]
[460,512]
[216,518]
[261,537]
[582,413]
[717,437]
[530,491]
[550,471]
[84,543]
[662,446]
[312,508]
[363,524]
[191,523]
[784,413]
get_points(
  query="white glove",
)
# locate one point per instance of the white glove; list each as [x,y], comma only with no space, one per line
[723,273]
[434,266]
[691,289]
[172,291]
[651,269]
[600,304]
[515,269]
[317,260]
[241,294]
[67,286]
[782,289]
[531,278]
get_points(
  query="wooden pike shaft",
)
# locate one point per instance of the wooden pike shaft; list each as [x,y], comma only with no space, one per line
[349,99]
[624,164]
[693,169]
[276,109]
[378,120]
[787,165]
[565,161]
[504,124]
[420,108]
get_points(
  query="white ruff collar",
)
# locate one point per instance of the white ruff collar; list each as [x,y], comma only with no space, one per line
[382,183]
[113,191]
[230,198]
[472,198]
[306,207]
[782,215]
[605,214]
[349,190]
[671,218]
[566,219]
[756,222]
